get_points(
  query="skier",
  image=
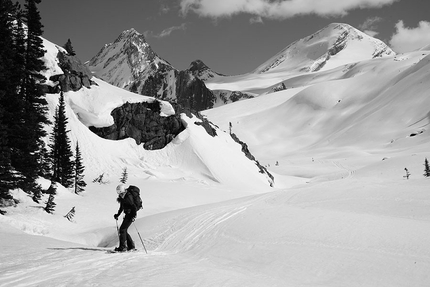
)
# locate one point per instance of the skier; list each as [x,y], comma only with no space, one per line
[127,205]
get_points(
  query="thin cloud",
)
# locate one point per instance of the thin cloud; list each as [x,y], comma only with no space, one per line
[370,26]
[165,32]
[276,9]
[371,33]
[256,20]
[409,39]
[164,9]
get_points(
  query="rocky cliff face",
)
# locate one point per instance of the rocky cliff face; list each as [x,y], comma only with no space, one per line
[130,63]
[76,75]
[142,122]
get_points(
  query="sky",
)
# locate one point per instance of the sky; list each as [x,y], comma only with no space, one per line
[230,36]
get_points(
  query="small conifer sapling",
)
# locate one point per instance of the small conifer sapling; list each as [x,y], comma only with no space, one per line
[70,214]
[124,176]
[426,168]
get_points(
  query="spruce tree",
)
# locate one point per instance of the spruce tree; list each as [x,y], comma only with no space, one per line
[21,96]
[5,167]
[124,176]
[8,95]
[54,154]
[70,214]
[79,170]
[426,168]
[50,204]
[61,152]
[31,110]
[69,48]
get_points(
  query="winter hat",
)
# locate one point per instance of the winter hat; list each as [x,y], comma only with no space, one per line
[120,188]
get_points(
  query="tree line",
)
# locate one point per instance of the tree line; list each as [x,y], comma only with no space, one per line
[24,156]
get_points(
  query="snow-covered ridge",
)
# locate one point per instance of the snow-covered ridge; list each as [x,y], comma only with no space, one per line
[334,45]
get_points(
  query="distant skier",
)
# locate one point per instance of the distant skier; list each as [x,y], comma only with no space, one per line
[407,174]
[127,205]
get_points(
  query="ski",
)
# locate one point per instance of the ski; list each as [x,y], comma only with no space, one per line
[128,251]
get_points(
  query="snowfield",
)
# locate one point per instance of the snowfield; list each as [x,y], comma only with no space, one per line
[341,212]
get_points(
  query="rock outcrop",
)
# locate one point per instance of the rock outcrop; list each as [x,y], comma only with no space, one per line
[143,123]
[76,75]
[248,154]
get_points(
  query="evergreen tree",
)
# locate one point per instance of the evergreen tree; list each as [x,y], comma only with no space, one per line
[426,168]
[52,188]
[54,156]
[8,93]
[70,214]
[50,204]
[21,97]
[31,106]
[69,48]
[124,176]
[5,167]
[61,152]
[79,170]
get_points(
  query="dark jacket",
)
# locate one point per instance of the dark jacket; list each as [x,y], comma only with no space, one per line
[127,205]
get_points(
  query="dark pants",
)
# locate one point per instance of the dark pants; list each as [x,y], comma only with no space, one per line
[123,234]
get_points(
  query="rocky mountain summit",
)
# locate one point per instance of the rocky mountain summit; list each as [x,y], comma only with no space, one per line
[130,63]
[200,70]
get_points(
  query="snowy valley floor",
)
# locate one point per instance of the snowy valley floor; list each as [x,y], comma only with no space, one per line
[346,227]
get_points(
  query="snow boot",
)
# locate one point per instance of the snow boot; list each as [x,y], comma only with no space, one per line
[120,249]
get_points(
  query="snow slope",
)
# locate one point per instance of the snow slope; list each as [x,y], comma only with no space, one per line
[336,45]
[341,212]
[373,104]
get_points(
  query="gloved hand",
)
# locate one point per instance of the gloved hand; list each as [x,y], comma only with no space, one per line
[116,216]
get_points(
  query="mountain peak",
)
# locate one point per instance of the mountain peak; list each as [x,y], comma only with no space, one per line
[121,61]
[131,35]
[201,70]
[197,65]
[335,45]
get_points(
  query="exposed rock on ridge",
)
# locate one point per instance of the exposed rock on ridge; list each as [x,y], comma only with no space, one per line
[143,123]
[76,75]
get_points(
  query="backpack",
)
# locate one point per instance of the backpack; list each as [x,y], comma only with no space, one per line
[135,192]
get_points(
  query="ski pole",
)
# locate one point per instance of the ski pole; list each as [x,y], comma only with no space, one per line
[140,238]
